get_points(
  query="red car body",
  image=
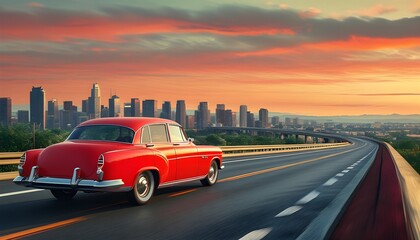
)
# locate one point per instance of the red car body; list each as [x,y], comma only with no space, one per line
[109,154]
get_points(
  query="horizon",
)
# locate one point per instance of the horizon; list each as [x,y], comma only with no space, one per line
[314,59]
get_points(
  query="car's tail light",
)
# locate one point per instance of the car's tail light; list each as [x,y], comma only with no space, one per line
[22,160]
[101,161]
[99,172]
[21,163]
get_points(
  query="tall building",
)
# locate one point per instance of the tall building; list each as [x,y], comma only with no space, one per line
[250,119]
[166,110]
[181,113]
[149,108]
[228,118]
[127,109]
[85,105]
[263,118]
[243,109]
[114,106]
[37,107]
[68,116]
[5,111]
[23,116]
[95,102]
[189,122]
[52,114]
[275,121]
[220,114]
[202,117]
[135,108]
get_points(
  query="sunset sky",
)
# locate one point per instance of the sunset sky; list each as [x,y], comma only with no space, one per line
[319,57]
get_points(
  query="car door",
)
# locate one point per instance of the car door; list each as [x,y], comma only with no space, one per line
[156,137]
[186,153]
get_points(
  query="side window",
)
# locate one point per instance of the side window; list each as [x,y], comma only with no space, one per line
[158,133]
[145,135]
[176,133]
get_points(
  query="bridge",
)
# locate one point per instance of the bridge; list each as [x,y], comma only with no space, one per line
[307,136]
[358,190]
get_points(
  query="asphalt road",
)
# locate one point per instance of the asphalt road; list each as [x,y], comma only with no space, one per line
[274,195]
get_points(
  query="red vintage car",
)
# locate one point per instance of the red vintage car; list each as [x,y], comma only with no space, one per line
[136,155]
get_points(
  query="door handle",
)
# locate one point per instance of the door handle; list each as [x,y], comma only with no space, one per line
[150,145]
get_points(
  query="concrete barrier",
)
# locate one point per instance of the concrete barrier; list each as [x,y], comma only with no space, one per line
[409,181]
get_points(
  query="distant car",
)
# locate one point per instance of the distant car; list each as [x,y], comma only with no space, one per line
[136,155]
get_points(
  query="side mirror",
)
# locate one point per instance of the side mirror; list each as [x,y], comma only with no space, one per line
[191,140]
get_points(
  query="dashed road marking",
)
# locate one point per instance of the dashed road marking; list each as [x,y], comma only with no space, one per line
[330,182]
[257,234]
[339,174]
[345,171]
[20,192]
[289,211]
[350,167]
[309,197]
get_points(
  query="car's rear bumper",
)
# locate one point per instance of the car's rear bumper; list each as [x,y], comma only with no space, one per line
[75,183]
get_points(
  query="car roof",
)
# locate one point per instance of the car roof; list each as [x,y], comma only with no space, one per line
[131,122]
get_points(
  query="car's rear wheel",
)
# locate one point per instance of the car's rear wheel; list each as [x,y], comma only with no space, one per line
[143,189]
[212,175]
[63,195]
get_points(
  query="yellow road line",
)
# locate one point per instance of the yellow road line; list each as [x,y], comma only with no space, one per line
[183,192]
[33,231]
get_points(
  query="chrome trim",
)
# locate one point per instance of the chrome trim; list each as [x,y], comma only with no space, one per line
[34,174]
[20,169]
[75,177]
[182,181]
[100,174]
[75,183]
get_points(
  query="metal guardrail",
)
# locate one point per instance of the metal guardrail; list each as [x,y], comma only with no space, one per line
[410,184]
[231,151]
[9,158]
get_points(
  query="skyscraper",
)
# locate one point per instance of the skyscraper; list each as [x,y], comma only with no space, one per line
[202,115]
[263,118]
[220,114]
[127,109]
[243,109]
[181,113]
[37,107]
[5,111]
[23,116]
[135,107]
[68,116]
[250,119]
[95,102]
[166,110]
[52,114]
[114,106]
[149,108]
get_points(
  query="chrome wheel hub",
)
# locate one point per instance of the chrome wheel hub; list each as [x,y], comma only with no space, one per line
[143,186]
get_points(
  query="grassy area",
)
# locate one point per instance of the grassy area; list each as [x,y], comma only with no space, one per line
[410,150]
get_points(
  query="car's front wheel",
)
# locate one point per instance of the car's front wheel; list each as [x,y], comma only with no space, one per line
[63,195]
[143,189]
[212,175]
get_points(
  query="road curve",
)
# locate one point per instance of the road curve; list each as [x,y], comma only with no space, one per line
[257,197]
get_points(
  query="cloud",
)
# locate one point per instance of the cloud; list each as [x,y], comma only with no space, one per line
[374,11]
[385,94]
[35,5]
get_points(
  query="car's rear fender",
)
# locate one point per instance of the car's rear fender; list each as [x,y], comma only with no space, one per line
[31,160]
[127,164]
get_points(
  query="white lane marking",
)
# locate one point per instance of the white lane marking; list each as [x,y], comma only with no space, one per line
[345,171]
[330,182]
[309,197]
[289,211]
[350,167]
[20,192]
[355,164]
[257,234]
[339,174]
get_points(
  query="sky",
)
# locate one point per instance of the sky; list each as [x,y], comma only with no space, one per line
[318,57]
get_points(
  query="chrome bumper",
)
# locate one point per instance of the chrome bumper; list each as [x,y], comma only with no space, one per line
[75,183]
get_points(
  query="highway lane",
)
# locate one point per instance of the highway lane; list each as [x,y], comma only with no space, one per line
[276,195]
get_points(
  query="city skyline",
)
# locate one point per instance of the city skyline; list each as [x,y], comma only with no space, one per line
[312,58]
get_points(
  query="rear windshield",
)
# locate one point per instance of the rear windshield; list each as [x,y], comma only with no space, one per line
[103,133]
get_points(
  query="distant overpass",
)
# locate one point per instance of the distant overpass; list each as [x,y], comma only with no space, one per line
[307,136]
